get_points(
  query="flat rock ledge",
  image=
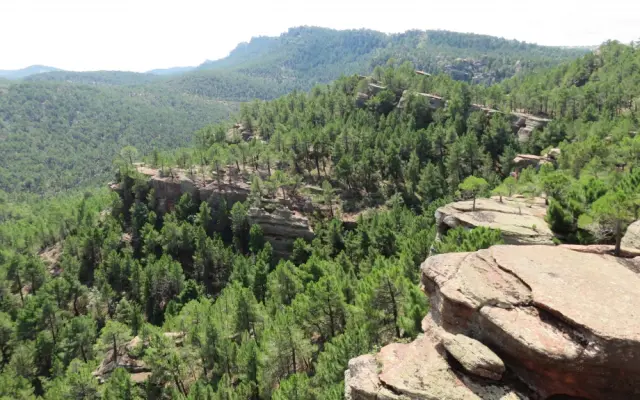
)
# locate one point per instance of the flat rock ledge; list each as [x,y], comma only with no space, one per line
[521,222]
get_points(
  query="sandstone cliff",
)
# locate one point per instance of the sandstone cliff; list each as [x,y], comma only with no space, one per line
[516,322]
[282,221]
[281,228]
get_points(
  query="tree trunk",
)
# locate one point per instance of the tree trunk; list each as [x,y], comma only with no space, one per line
[20,288]
[318,166]
[115,351]
[294,359]
[474,203]
[84,355]
[616,252]
[395,308]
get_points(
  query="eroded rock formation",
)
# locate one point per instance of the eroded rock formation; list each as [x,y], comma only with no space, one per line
[281,227]
[521,221]
[562,322]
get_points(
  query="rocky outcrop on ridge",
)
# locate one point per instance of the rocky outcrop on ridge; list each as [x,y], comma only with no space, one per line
[561,322]
[519,221]
[530,160]
[282,220]
[522,124]
[631,238]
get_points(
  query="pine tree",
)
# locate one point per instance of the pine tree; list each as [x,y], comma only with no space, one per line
[284,350]
[113,337]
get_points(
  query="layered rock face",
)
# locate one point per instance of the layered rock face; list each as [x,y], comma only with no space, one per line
[560,322]
[519,221]
[282,221]
[281,228]
[169,189]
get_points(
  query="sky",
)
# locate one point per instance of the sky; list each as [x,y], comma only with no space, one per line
[139,35]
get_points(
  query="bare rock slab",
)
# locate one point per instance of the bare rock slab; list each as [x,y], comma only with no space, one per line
[420,371]
[519,222]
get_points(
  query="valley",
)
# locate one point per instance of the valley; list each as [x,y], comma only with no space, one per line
[326,215]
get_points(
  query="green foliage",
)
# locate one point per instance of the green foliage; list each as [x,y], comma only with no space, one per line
[71,141]
[468,240]
[218,312]
[473,186]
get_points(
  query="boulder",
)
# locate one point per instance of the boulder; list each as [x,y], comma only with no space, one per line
[520,223]
[564,322]
[553,153]
[527,123]
[474,357]
[631,239]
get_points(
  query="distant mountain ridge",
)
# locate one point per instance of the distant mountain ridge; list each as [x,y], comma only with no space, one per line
[171,71]
[304,56]
[28,71]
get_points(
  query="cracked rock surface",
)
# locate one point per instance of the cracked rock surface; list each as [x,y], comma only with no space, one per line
[559,321]
[565,322]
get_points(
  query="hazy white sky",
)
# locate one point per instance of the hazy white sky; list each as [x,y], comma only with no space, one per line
[139,35]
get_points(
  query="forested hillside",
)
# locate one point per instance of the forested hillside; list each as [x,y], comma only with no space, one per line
[305,56]
[60,136]
[217,315]
[62,129]
[122,78]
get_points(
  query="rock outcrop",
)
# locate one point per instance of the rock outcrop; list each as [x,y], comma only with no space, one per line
[563,323]
[527,123]
[520,222]
[129,358]
[631,238]
[420,370]
[170,187]
[281,227]
[530,160]
[282,220]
